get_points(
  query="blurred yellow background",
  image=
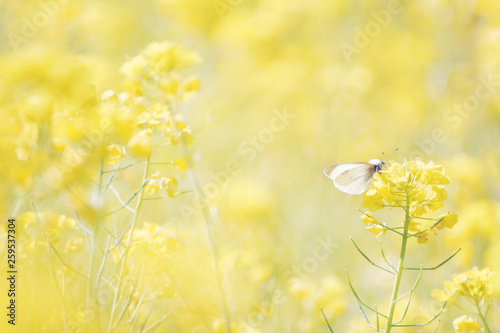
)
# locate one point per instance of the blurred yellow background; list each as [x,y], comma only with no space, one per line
[287,88]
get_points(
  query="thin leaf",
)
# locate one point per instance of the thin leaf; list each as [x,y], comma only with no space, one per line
[432,268]
[326,320]
[368,259]
[428,321]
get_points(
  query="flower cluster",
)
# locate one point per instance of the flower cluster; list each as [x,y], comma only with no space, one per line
[149,108]
[466,324]
[417,188]
[153,87]
[328,294]
[168,184]
[473,285]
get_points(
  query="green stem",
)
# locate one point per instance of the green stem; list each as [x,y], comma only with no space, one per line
[212,245]
[214,251]
[128,245]
[399,272]
[140,200]
[483,319]
[92,303]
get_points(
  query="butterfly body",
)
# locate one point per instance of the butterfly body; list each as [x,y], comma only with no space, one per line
[353,178]
[378,164]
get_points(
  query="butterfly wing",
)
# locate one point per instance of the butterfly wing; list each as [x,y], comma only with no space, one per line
[334,170]
[352,178]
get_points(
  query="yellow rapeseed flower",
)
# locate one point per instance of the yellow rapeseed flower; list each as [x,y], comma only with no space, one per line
[378,230]
[75,244]
[182,163]
[169,184]
[153,184]
[414,187]
[466,324]
[391,185]
[447,220]
[115,154]
[474,285]
[141,145]
[368,218]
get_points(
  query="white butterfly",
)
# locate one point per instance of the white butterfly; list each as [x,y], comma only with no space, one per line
[353,178]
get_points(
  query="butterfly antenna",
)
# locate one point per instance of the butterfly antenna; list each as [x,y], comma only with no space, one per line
[390,152]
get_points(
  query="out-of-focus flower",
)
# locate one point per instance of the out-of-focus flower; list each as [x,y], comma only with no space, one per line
[182,163]
[141,144]
[75,244]
[153,184]
[466,324]
[154,115]
[170,84]
[190,86]
[328,294]
[134,68]
[474,285]
[169,184]
[115,154]
[166,56]
[302,289]
[157,61]
[38,108]
[177,132]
